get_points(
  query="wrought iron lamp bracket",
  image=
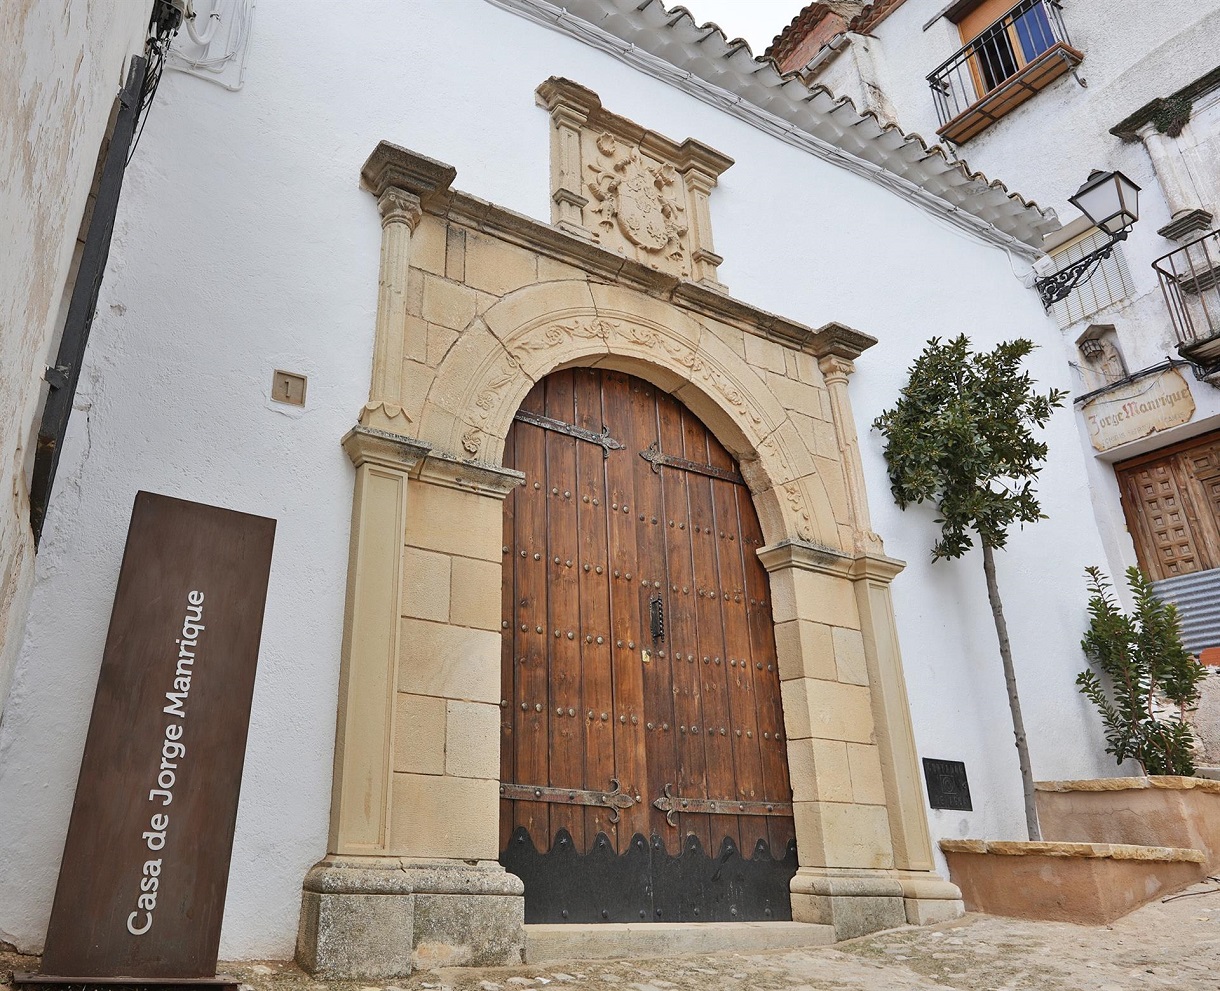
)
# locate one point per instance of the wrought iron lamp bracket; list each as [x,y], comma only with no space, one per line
[1060,285]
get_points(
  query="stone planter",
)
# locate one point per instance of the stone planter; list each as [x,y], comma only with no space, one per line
[1089,883]
[1149,811]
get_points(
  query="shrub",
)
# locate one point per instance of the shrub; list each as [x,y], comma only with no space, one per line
[1143,661]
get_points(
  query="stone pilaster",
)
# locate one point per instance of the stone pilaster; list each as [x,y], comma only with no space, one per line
[862,838]
[699,185]
[927,897]
[411,880]
[361,797]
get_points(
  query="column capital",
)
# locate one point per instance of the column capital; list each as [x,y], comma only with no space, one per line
[397,206]
[835,369]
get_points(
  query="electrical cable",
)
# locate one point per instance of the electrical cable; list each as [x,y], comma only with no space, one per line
[203,38]
[237,37]
[163,27]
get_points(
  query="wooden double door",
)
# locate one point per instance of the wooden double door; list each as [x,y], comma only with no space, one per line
[644,767]
[1171,499]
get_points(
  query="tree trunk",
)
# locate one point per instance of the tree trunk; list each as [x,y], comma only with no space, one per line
[1014,700]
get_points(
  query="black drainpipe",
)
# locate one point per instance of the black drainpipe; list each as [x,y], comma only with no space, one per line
[64,374]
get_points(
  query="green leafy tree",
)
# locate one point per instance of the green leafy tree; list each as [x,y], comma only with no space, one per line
[961,437]
[1142,657]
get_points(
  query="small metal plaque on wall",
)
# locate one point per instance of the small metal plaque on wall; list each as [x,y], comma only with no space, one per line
[947,784]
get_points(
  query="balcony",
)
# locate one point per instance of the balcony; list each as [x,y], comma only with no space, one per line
[1190,280]
[1015,58]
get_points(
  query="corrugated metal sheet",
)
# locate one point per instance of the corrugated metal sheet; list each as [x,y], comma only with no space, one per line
[1197,597]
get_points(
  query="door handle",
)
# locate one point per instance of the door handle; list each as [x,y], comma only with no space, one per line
[656,617]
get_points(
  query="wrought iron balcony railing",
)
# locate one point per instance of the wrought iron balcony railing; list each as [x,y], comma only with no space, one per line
[1023,52]
[1190,280]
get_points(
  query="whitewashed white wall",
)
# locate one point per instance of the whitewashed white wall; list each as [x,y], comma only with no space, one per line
[62,67]
[1134,52]
[244,244]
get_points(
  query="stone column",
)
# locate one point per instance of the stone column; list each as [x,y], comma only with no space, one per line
[837,347]
[404,184]
[400,215]
[836,366]
[1187,213]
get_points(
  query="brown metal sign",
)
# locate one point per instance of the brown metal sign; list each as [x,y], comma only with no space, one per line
[142,883]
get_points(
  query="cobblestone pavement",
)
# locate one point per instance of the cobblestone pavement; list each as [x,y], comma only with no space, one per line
[1163,945]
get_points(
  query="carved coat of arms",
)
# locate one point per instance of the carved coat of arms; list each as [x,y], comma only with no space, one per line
[636,197]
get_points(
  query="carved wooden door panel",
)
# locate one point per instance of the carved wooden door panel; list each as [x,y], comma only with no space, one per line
[643,758]
[1171,499]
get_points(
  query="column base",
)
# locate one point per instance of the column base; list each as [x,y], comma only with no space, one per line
[930,899]
[375,917]
[855,902]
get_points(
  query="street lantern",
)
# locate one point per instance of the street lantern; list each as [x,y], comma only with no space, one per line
[1111,201]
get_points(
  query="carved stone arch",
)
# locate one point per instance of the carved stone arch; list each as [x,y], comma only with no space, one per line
[482,381]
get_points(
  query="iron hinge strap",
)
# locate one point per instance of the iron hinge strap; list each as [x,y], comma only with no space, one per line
[613,800]
[655,458]
[672,804]
[602,440]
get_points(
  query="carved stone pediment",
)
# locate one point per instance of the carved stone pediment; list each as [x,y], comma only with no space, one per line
[631,190]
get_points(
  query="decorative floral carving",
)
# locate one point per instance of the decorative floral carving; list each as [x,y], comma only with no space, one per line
[637,196]
[796,502]
[583,328]
[471,440]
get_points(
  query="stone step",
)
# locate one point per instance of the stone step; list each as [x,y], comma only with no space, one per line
[636,940]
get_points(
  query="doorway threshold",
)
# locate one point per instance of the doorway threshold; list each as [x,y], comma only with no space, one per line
[547,943]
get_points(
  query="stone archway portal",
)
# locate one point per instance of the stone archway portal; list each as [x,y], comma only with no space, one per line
[643,755]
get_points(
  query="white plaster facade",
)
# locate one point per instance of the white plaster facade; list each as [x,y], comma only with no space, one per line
[1133,53]
[244,244]
[59,77]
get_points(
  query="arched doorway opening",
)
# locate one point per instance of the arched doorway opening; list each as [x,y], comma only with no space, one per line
[644,771]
